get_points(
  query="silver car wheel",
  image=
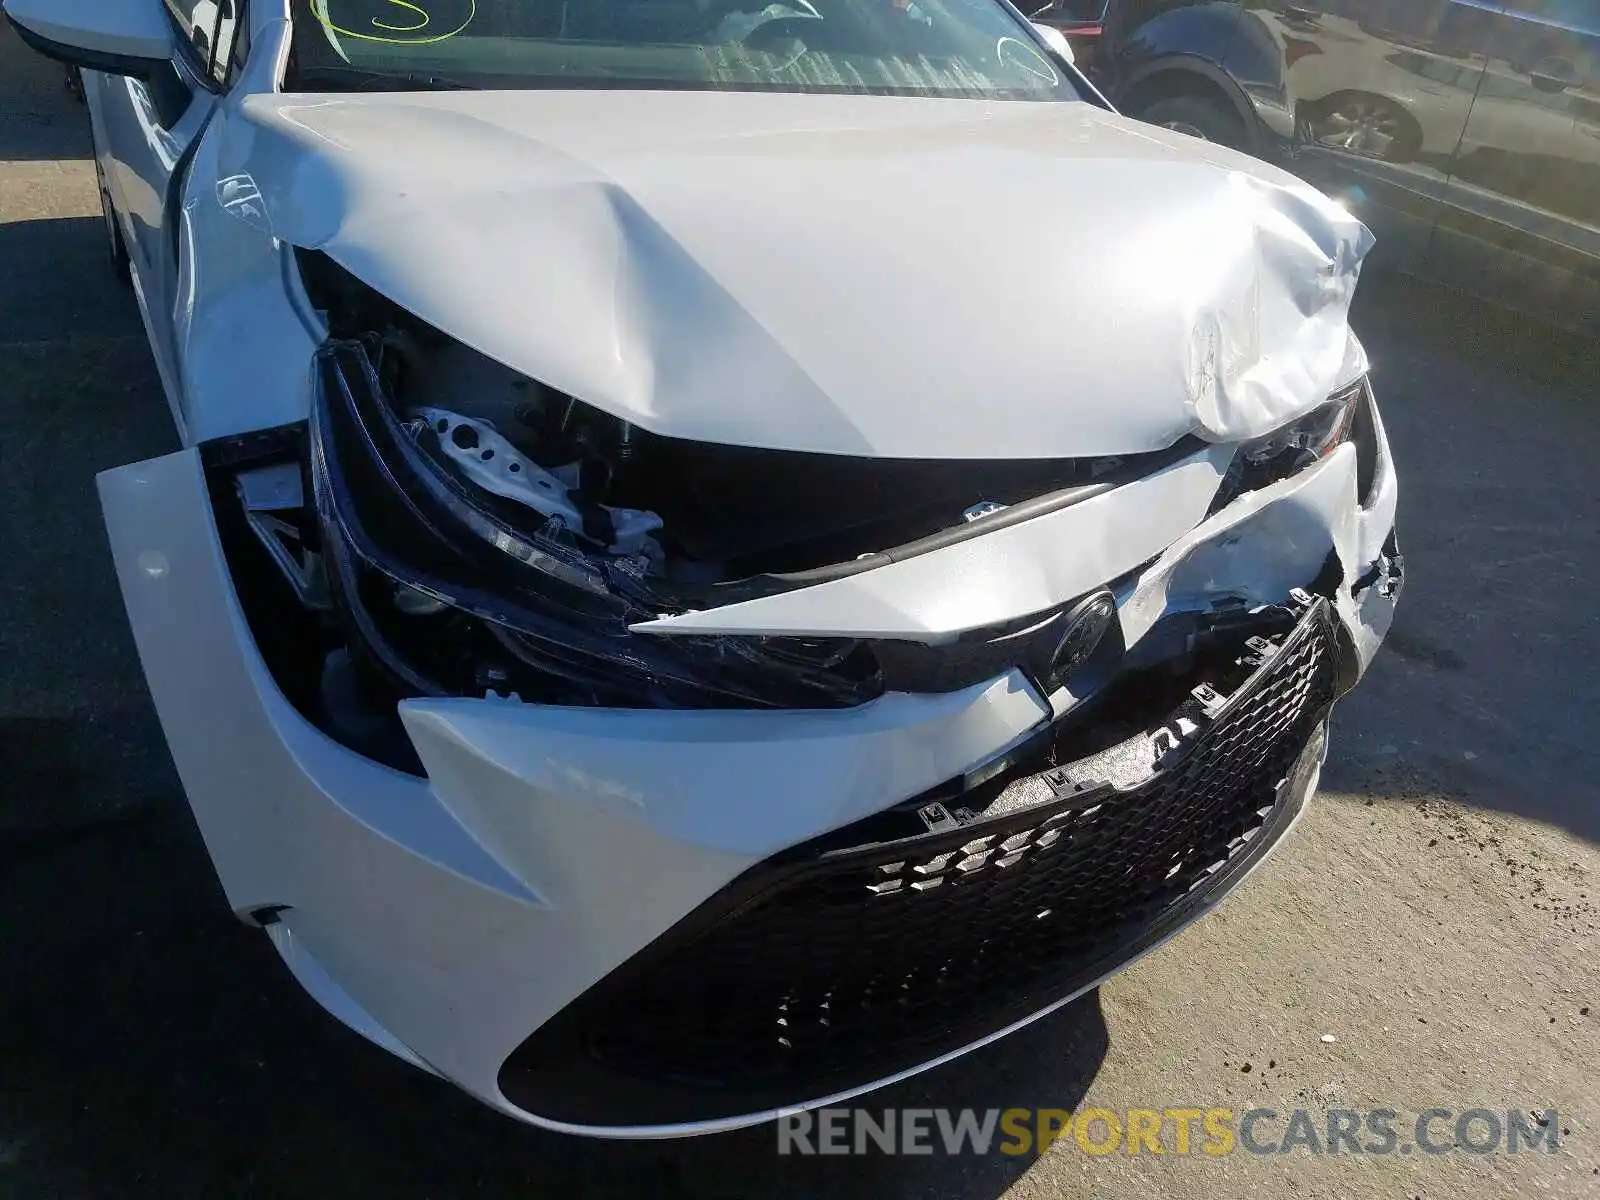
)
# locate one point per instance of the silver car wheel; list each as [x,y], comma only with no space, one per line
[1362,125]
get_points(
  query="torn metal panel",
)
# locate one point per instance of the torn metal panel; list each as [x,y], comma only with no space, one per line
[1256,550]
[987,580]
[1271,541]
[707,270]
[745,783]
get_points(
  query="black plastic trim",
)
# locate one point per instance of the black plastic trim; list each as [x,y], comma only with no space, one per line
[555,1073]
[90,60]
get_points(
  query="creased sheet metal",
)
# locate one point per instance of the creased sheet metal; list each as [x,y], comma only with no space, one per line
[858,275]
[1272,295]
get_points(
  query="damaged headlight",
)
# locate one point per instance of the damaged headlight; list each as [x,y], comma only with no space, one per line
[1292,448]
[1316,435]
[448,589]
[445,525]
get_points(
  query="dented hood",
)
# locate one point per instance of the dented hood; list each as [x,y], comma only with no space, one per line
[856,275]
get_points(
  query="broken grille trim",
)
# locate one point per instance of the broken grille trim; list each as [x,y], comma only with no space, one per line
[556,1075]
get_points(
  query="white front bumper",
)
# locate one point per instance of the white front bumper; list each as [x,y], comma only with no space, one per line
[446,918]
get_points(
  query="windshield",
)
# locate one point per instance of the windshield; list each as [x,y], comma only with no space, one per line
[890,47]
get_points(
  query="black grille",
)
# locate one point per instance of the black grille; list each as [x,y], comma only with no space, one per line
[843,962]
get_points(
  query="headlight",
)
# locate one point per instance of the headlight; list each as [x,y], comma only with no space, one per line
[478,530]
[1316,435]
[446,594]
[1292,448]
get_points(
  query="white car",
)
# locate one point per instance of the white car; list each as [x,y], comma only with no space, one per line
[707,576]
[1356,91]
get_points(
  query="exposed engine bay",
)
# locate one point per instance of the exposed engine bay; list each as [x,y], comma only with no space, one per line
[448,526]
[700,513]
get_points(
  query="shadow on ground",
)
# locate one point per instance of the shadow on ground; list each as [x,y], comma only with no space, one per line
[1485,690]
[59,287]
[78,393]
[39,120]
[154,1047]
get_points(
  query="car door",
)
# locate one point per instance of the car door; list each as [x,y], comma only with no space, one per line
[1379,93]
[1523,223]
[144,133]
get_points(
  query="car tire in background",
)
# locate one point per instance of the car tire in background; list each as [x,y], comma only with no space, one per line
[1198,116]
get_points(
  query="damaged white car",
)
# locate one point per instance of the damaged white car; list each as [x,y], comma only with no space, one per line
[725,553]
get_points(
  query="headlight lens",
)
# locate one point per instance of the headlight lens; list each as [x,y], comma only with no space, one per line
[1316,435]
[1292,448]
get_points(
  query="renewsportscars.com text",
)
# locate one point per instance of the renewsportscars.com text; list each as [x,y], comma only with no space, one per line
[1211,1132]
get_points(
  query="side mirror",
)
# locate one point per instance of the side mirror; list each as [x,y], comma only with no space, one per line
[120,37]
[1056,40]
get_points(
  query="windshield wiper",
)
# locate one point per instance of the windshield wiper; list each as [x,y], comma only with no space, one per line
[356,79]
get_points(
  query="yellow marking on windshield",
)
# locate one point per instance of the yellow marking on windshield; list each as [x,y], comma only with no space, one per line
[403,28]
[399,35]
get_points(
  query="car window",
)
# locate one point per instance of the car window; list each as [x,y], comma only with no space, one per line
[212,36]
[196,22]
[1519,89]
[1439,70]
[233,46]
[892,47]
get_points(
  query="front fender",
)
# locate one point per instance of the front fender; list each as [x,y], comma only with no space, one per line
[1205,30]
[1204,41]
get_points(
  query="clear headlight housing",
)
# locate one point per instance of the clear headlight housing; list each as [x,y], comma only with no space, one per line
[446,593]
[1292,448]
[1316,435]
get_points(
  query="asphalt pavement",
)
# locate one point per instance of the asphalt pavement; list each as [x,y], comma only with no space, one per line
[1427,938]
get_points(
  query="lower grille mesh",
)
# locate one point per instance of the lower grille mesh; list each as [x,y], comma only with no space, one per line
[859,961]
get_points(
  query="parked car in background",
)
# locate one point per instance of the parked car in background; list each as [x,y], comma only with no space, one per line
[1466,133]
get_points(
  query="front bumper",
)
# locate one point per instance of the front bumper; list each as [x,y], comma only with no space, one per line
[456,918]
[915,933]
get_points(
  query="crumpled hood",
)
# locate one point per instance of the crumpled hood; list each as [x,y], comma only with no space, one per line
[859,275]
